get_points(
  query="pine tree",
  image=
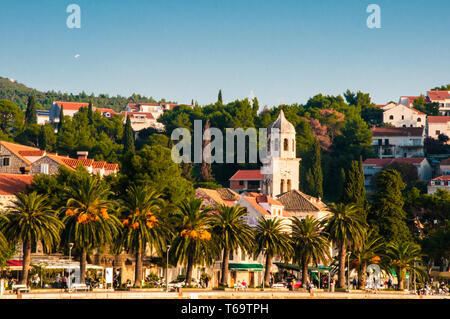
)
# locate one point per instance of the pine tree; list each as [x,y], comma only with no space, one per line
[128,137]
[314,177]
[61,119]
[30,113]
[42,138]
[90,114]
[219,97]
[255,107]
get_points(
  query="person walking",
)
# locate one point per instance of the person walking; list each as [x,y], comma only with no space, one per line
[206,281]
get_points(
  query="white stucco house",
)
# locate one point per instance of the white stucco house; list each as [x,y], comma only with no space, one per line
[400,115]
[394,142]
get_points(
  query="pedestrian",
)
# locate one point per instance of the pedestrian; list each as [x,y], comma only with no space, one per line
[354,283]
[206,281]
[58,281]
[64,281]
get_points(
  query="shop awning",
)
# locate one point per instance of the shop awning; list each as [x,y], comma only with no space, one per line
[245,267]
[14,264]
[297,268]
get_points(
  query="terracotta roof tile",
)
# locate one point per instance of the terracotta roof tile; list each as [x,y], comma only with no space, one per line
[383,162]
[438,95]
[254,203]
[296,201]
[11,184]
[72,106]
[438,119]
[16,149]
[397,131]
[247,175]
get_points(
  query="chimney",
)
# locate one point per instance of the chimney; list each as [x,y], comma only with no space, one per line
[82,155]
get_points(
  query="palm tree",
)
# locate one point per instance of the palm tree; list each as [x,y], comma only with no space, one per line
[271,239]
[368,252]
[88,219]
[4,245]
[192,244]
[30,220]
[310,243]
[231,232]
[403,257]
[143,224]
[345,227]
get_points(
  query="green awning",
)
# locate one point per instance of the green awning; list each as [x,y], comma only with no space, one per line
[245,267]
[394,273]
[287,266]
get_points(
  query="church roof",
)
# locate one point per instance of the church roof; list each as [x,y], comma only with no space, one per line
[297,201]
[282,124]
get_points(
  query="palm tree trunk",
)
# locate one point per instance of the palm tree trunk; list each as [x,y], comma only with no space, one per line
[362,276]
[341,273]
[25,262]
[400,279]
[268,268]
[190,265]
[225,261]
[138,268]
[305,277]
[83,263]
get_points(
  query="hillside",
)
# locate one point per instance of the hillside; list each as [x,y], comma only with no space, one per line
[18,93]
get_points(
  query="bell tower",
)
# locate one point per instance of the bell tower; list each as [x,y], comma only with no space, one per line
[281,172]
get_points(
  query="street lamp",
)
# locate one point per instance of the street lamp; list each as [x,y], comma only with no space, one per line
[167,269]
[348,271]
[70,261]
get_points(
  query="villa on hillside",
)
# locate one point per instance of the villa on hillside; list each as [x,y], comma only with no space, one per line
[394,142]
[400,115]
[438,125]
[71,108]
[440,182]
[441,97]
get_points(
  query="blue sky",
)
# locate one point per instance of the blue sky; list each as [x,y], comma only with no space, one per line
[284,51]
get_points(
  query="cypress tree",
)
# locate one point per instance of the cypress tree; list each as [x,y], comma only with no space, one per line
[387,216]
[128,137]
[42,138]
[354,190]
[219,97]
[30,113]
[90,114]
[314,177]
[61,119]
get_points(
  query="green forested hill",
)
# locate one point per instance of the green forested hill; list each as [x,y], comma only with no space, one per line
[18,94]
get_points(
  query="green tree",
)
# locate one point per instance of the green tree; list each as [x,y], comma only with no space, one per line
[404,257]
[30,113]
[367,253]
[345,227]
[143,223]
[387,216]
[42,138]
[310,243]
[128,137]
[192,244]
[354,190]
[88,218]
[61,120]
[11,118]
[31,220]
[90,113]
[219,97]
[314,177]
[271,239]
[231,233]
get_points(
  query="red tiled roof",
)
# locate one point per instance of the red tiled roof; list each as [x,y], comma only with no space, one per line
[442,178]
[382,162]
[254,203]
[11,184]
[16,149]
[267,199]
[72,106]
[438,95]
[247,175]
[111,167]
[132,114]
[410,98]
[438,119]
[103,110]
[99,164]
[397,131]
[31,153]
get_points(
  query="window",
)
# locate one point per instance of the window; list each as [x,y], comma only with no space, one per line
[286,144]
[282,186]
[231,255]
[391,117]
[288,185]
[44,168]
[386,141]
[241,183]
[419,119]
[403,117]
[5,161]
[293,145]
[438,132]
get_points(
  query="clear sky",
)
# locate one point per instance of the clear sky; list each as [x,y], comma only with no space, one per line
[284,51]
